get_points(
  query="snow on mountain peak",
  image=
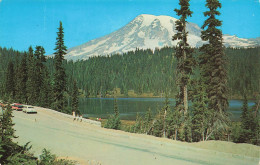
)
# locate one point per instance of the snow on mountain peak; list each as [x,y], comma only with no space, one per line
[145,31]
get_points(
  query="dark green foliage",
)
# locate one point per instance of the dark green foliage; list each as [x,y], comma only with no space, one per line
[59,76]
[244,72]
[148,119]
[22,156]
[39,72]
[153,71]
[75,99]
[10,80]
[47,158]
[236,132]
[7,134]
[174,122]
[200,111]
[10,152]
[46,96]
[138,126]
[160,122]
[183,55]
[213,68]
[187,132]
[136,70]
[249,125]
[22,79]
[31,82]
[113,121]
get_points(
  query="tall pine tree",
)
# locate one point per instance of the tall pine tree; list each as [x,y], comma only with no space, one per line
[60,75]
[22,88]
[39,77]
[183,55]
[199,119]
[8,147]
[10,84]
[31,86]
[213,68]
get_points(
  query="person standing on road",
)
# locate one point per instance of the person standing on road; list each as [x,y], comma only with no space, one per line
[80,118]
[74,116]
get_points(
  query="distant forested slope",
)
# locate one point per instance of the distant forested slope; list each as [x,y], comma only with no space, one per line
[145,71]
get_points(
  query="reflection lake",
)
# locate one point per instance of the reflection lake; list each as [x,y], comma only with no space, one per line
[129,107]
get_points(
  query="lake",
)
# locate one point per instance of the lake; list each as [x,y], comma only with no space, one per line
[129,107]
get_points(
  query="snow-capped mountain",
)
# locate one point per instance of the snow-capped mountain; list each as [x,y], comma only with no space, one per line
[145,31]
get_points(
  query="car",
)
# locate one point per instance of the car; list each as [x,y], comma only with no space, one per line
[2,105]
[29,109]
[18,107]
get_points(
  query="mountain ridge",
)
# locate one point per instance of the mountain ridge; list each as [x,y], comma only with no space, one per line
[143,32]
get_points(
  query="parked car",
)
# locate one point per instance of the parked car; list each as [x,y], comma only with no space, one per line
[29,109]
[18,107]
[2,105]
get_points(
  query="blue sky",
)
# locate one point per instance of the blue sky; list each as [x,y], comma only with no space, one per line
[34,22]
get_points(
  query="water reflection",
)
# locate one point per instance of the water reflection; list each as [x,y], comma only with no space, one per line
[129,107]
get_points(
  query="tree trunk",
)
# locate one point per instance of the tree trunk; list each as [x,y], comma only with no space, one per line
[164,132]
[175,137]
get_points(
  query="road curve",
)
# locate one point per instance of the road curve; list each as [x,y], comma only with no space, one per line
[84,142]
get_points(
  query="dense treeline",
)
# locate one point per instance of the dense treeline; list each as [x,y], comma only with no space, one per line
[142,71]
[146,71]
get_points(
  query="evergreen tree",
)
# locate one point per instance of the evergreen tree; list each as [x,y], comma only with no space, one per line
[31,87]
[75,99]
[10,84]
[113,121]
[46,90]
[199,119]
[148,121]
[160,125]
[183,55]
[22,89]
[16,77]
[166,110]
[255,126]
[38,53]
[187,128]
[249,124]
[59,76]
[7,134]
[174,122]
[245,122]
[213,68]
[138,126]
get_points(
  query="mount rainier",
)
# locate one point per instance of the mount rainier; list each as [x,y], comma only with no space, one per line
[146,31]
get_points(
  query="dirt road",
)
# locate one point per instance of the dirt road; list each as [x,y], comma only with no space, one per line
[83,141]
